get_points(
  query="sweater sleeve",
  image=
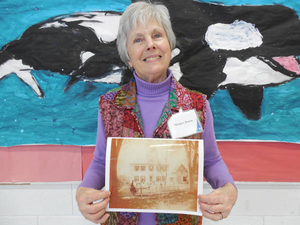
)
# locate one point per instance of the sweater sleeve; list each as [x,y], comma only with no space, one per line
[95,175]
[215,170]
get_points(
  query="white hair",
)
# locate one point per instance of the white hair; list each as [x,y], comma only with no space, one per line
[142,12]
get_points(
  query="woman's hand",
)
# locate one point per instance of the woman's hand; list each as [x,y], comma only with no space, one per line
[94,212]
[218,204]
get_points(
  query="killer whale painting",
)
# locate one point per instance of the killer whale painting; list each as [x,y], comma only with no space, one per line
[240,48]
[240,51]
[81,45]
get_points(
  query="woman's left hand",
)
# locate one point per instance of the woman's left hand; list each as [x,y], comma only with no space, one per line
[218,204]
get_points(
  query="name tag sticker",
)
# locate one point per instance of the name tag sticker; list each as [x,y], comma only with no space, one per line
[184,124]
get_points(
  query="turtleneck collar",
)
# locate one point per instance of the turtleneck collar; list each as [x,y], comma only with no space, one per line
[154,89]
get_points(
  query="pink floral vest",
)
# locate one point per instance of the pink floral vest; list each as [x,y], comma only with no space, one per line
[121,117]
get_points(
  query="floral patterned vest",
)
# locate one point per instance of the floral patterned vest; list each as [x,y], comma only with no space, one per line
[122,118]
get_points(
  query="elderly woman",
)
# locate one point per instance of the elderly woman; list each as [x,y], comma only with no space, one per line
[141,108]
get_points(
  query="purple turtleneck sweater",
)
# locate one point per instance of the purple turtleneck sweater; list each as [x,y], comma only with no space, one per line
[151,98]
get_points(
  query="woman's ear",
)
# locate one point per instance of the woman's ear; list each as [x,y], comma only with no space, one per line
[130,65]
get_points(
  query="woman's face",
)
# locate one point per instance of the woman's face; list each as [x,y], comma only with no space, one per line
[149,51]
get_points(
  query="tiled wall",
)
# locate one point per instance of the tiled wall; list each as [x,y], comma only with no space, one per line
[54,204]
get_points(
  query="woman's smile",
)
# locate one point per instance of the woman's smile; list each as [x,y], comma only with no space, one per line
[152,58]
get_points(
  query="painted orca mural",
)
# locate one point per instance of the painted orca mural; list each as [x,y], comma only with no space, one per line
[81,45]
[239,48]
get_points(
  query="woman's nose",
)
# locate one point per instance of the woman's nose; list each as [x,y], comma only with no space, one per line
[150,44]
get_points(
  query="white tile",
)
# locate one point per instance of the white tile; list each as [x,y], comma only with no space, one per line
[282,220]
[265,199]
[36,199]
[267,202]
[24,220]
[236,220]
[63,220]
[48,204]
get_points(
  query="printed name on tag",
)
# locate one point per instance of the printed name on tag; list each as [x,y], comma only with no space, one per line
[184,123]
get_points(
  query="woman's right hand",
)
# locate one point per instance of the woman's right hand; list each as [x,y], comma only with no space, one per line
[94,212]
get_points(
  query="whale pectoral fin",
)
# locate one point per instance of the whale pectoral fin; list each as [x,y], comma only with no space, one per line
[30,80]
[248,100]
[23,72]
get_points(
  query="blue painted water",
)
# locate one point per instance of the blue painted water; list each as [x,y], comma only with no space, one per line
[70,118]
[60,118]
[279,120]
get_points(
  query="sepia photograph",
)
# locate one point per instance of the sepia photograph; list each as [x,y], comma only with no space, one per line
[154,175]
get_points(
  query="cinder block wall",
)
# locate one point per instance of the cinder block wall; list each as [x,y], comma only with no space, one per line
[54,204]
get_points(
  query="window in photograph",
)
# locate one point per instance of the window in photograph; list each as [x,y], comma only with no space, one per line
[158,168]
[150,178]
[185,178]
[136,178]
[143,168]
[136,168]
[158,178]
[143,178]
[150,168]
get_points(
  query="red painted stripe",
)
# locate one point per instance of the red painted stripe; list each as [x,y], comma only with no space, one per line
[247,161]
[262,161]
[87,156]
[40,163]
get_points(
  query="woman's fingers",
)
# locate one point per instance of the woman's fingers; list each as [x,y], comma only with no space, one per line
[90,195]
[212,216]
[97,213]
[218,204]
[211,207]
[97,207]
[92,204]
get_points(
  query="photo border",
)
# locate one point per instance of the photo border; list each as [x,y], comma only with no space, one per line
[199,186]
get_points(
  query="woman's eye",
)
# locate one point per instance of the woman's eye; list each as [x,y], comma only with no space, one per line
[157,35]
[137,40]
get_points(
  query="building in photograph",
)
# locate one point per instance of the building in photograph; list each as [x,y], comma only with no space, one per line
[182,175]
[157,174]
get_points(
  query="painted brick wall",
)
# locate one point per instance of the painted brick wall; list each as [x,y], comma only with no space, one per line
[54,204]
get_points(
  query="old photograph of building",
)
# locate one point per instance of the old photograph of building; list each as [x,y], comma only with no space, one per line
[162,175]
